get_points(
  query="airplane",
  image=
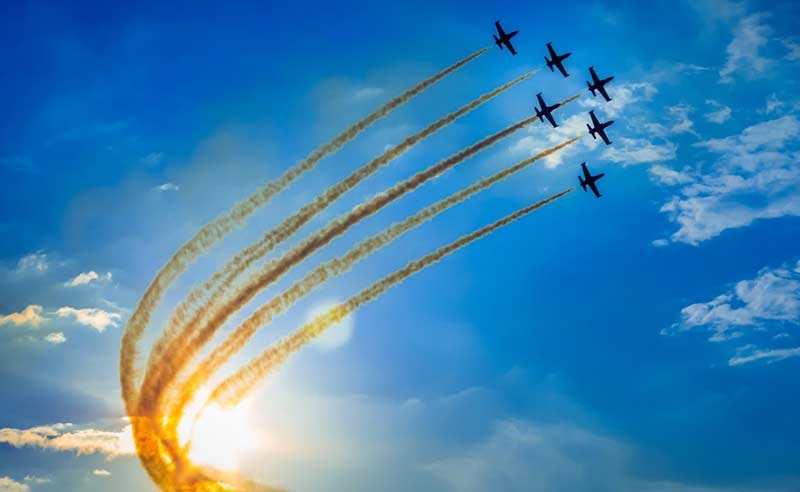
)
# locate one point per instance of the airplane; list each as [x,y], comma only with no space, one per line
[590,180]
[557,60]
[599,128]
[504,39]
[546,111]
[598,84]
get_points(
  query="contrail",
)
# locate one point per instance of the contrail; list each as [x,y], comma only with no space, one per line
[223,279]
[163,374]
[231,390]
[212,232]
[264,315]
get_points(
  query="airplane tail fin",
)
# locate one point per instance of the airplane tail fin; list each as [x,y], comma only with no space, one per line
[591,131]
[582,182]
[591,89]
[497,42]
[549,64]
[539,115]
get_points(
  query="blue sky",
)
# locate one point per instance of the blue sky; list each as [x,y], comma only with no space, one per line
[646,341]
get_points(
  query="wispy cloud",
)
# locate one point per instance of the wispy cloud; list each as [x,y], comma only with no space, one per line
[31,315]
[33,263]
[93,317]
[55,338]
[744,51]
[720,114]
[637,151]
[153,159]
[760,162]
[101,473]
[773,103]
[8,484]
[87,277]
[65,437]
[772,297]
[167,187]
[749,353]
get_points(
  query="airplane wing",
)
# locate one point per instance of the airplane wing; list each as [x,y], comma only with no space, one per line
[553,54]
[586,174]
[549,116]
[510,47]
[602,89]
[595,121]
[595,78]
[604,136]
[594,189]
[499,29]
[561,69]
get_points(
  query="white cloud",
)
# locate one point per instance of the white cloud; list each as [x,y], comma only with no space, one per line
[668,176]
[773,103]
[793,50]
[33,262]
[660,243]
[637,151]
[721,113]
[756,177]
[749,353]
[682,123]
[36,480]
[744,51]
[773,297]
[101,473]
[93,317]
[8,484]
[87,277]
[61,437]
[167,187]
[624,95]
[56,338]
[31,315]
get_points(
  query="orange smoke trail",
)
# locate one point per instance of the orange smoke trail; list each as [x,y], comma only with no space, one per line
[212,232]
[264,315]
[231,390]
[223,279]
[163,374]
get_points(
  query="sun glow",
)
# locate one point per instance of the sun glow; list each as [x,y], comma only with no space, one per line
[221,436]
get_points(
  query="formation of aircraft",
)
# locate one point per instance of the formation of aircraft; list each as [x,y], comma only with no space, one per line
[504,39]
[588,180]
[597,84]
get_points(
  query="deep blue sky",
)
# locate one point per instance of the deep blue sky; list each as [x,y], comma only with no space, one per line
[644,341]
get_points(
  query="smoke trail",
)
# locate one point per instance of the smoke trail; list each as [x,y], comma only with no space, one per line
[210,233]
[156,381]
[225,278]
[264,315]
[231,390]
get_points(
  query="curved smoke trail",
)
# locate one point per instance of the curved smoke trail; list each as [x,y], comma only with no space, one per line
[164,373]
[212,232]
[232,389]
[223,279]
[337,266]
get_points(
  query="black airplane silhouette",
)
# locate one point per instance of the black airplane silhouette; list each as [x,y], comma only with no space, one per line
[589,180]
[504,39]
[546,111]
[598,84]
[556,60]
[599,128]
